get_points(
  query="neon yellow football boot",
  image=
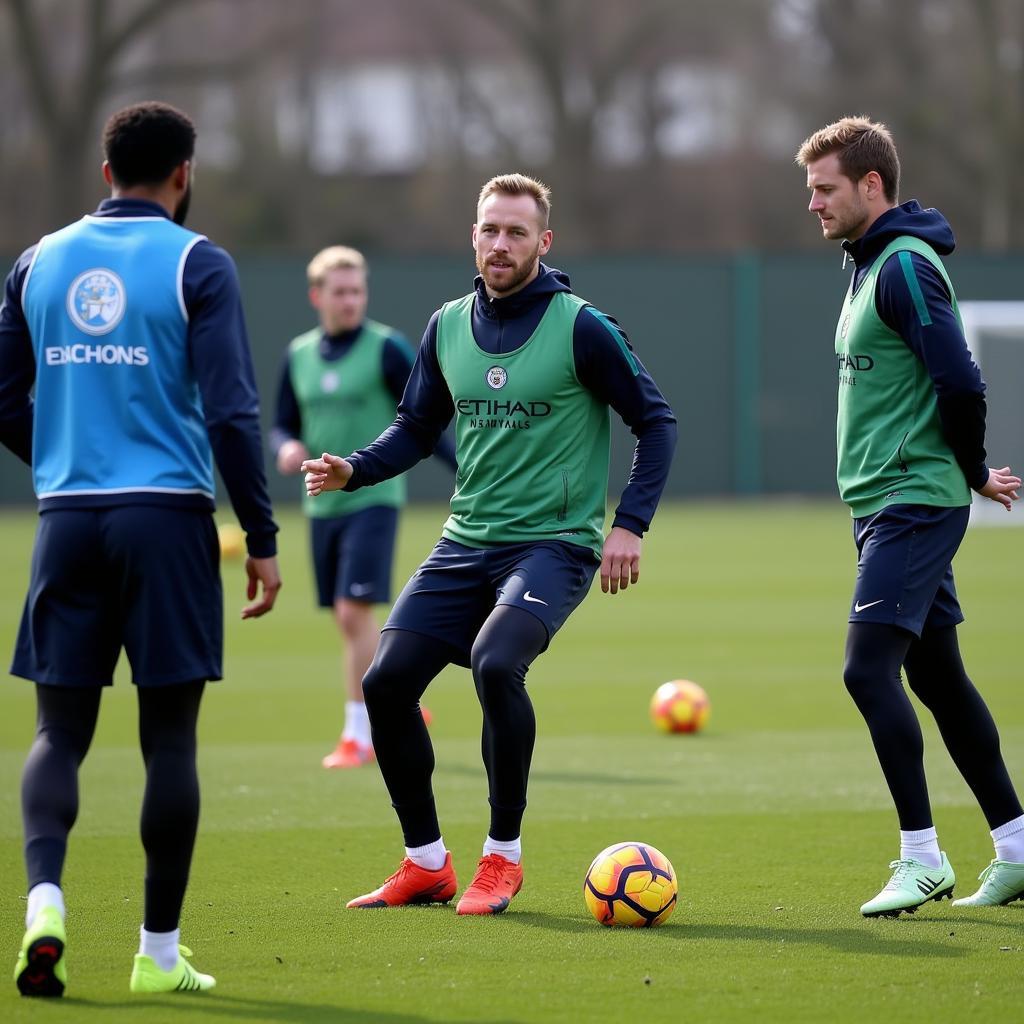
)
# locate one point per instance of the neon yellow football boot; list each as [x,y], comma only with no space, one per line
[182,977]
[41,969]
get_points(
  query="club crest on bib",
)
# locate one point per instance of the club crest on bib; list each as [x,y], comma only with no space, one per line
[96,301]
[845,327]
[496,377]
[329,382]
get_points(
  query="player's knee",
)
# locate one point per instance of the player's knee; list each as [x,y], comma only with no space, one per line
[400,671]
[383,686]
[492,674]
[376,687]
[62,740]
[354,618]
[860,679]
[173,740]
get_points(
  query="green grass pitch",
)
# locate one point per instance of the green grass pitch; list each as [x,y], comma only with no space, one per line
[776,817]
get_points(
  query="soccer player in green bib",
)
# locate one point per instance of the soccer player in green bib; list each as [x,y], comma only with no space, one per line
[528,371]
[339,387]
[911,432]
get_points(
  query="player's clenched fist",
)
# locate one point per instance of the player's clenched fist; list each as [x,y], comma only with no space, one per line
[328,473]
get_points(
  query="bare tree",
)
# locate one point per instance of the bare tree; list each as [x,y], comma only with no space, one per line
[71,75]
[660,124]
[67,105]
[947,77]
[576,52]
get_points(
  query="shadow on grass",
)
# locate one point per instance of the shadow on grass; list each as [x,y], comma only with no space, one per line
[216,1005]
[845,940]
[1011,916]
[573,778]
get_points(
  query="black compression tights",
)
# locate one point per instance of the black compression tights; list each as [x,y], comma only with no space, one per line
[405,664]
[66,720]
[936,674]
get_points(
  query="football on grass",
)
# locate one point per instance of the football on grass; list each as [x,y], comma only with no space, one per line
[680,706]
[631,885]
[232,540]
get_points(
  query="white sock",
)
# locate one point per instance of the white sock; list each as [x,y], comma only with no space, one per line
[511,850]
[921,845]
[1009,840]
[45,894]
[357,723]
[431,857]
[162,947]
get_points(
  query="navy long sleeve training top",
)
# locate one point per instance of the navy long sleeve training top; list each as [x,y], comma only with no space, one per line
[219,350]
[600,349]
[918,307]
[396,364]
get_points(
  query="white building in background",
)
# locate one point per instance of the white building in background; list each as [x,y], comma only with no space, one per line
[394,118]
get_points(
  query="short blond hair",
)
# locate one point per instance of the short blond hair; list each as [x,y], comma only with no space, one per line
[334,257]
[516,184]
[862,145]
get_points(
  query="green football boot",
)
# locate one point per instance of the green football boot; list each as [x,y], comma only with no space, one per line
[41,969]
[1002,882]
[912,884]
[182,977]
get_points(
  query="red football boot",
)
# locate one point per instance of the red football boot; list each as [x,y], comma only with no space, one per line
[412,884]
[496,881]
[348,753]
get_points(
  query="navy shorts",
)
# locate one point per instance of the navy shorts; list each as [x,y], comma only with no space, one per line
[451,594]
[352,555]
[141,577]
[904,567]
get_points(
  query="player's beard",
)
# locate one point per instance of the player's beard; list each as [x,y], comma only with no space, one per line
[520,272]
[849,223]
[181,212]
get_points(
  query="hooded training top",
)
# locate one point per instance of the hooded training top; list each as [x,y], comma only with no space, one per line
[532,442]
[888,435]
[908,385]
[603,365]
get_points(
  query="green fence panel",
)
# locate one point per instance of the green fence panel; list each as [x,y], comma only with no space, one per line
[741,345]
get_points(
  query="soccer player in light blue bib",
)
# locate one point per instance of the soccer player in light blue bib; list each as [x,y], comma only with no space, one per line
[130,328]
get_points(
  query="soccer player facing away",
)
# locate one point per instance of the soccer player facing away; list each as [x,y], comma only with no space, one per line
[528,370]
[911,431]
[131,330]
[339,387]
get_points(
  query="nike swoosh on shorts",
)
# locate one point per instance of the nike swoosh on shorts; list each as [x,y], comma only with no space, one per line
[534,600]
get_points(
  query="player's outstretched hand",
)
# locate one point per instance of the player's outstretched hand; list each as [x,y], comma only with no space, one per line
[261,570]
[1002,486]
[328,473]
[620,564]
